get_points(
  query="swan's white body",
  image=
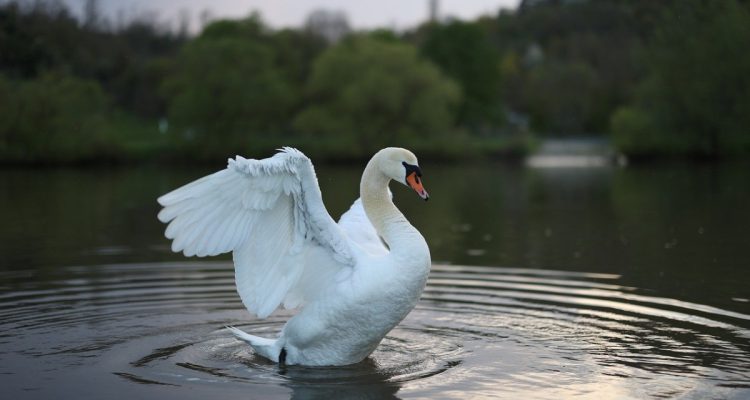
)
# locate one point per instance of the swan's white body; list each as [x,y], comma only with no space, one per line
[288,251]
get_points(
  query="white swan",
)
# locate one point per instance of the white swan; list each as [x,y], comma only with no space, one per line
[288,250]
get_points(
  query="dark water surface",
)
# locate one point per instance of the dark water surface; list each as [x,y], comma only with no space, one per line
[547,283]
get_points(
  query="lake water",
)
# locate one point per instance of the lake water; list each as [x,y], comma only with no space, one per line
[547,283]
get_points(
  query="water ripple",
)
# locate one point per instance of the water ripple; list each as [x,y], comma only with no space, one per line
[478,332]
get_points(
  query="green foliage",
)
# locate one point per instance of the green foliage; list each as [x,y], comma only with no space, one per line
[55,118]
[635,131]
[40,36]
[462,50]
[696,99]
[295,53]
[370,93]
[33,41]
[236,86]
[570,109]
[666,78]
[224,87]
[591,41]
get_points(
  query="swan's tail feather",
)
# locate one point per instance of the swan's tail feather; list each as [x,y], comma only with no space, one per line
[268,348]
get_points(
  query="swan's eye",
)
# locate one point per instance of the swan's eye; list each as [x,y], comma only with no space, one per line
[411,169]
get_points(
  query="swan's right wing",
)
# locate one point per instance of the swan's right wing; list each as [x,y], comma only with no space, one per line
[270,214]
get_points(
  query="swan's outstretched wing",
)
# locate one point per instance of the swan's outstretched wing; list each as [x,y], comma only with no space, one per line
[270,214]
[359,229]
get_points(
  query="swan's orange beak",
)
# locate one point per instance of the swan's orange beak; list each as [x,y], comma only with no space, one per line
[416,183]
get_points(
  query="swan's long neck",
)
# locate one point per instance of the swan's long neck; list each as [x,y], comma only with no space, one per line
[388,221]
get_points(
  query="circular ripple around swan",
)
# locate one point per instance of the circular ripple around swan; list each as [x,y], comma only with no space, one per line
[530,332]
[406,354]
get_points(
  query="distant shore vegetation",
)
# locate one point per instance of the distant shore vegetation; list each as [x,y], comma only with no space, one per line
[659,79]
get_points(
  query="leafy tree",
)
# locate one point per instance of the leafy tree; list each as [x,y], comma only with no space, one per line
[600,37]
[8,113]
[37,37]
[373,93]
[295,51]
[462,50]
[33,39]
[55,118]
[561,97]
[225,88]
[696,97]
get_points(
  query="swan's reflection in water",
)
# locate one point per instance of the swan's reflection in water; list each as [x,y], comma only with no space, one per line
[336,383]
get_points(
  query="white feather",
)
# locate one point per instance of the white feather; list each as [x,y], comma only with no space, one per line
[359,230]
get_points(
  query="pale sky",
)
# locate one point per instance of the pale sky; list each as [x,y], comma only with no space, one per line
[399,14]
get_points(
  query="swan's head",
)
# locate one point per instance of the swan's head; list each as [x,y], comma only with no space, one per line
[401,166]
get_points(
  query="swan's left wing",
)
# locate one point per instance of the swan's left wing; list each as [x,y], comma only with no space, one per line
[270,214]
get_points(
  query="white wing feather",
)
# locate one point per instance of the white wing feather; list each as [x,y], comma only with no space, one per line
[270,214]
[359,229]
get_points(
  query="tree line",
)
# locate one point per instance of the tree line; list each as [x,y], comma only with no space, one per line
[660,78]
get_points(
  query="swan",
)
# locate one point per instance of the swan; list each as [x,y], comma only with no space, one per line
[353,281]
